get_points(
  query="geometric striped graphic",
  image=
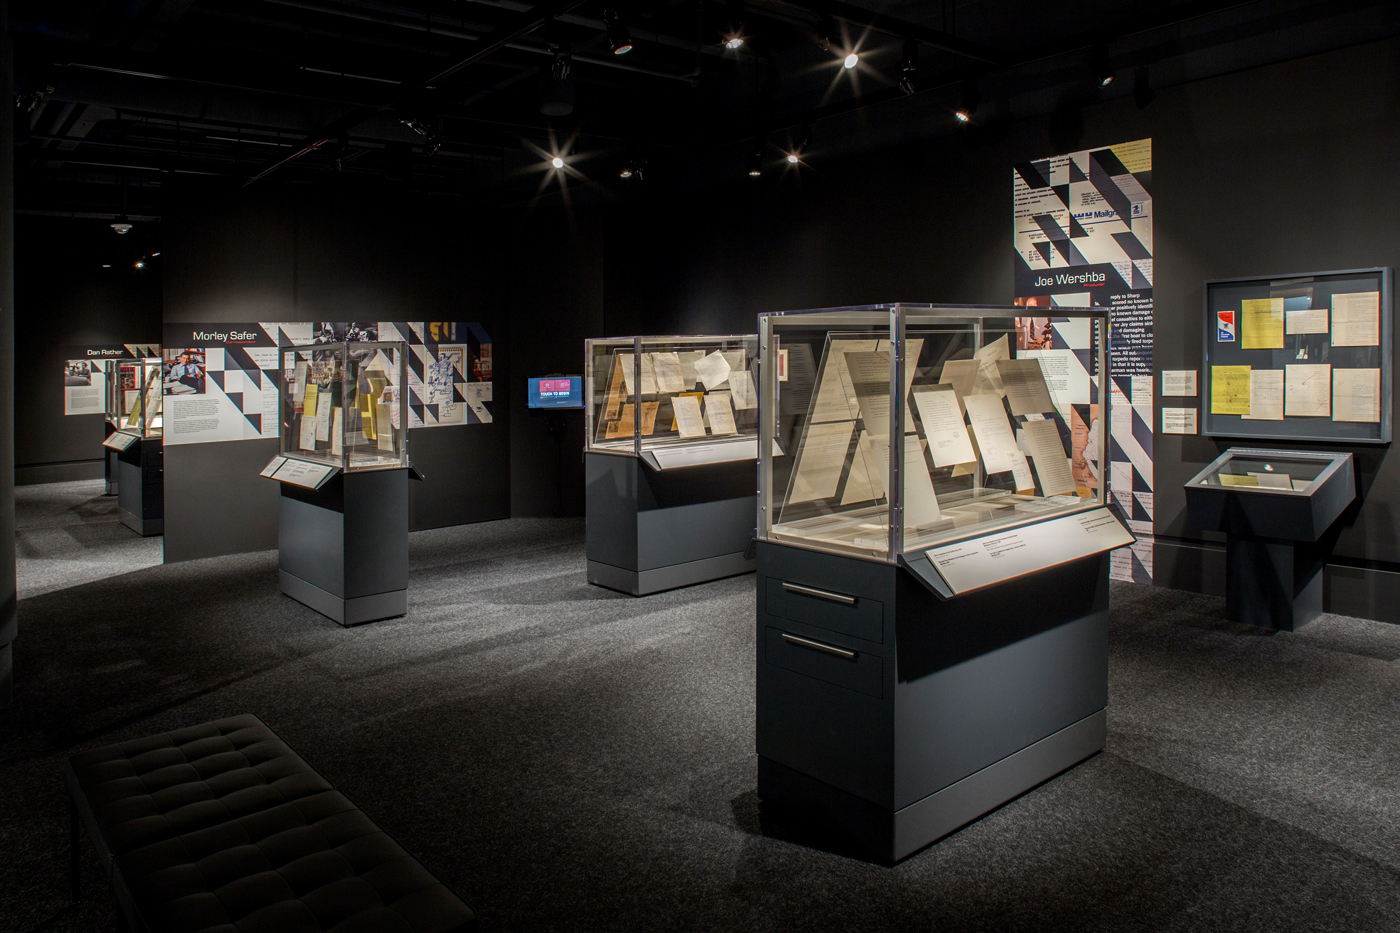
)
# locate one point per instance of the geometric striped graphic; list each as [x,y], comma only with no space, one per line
[1083,237]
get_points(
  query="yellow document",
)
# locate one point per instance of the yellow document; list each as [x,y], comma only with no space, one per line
[1229,390]
[1261,324]
[612,405]
[623,426]
[1231,479]
[649,416]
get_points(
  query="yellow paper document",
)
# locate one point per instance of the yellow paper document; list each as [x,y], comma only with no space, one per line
[1261,324]
[1229,390]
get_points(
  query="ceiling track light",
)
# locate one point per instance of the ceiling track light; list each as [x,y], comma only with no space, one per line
[556,82]
[733,37]
[557,162]
[826,34]
[1102,68]
[619,39]
[851,61]
[634,168]
[756,161]
[909,68]
[122,225]
[970,99]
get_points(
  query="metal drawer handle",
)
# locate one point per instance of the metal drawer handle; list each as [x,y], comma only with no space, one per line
[820,594]
[818,646]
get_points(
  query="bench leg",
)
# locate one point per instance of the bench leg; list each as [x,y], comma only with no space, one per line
[74,839]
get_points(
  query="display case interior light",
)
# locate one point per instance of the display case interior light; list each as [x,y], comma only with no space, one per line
[345,405]
[900,428]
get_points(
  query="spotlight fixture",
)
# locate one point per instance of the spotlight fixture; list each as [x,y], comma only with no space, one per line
[734,42]
[556,81]
[851,61]
[793,158]
[140,263]
[756,162]
[909,67]
[557,162]
[122,225]
[970,99]
[1102,68]
[626,171]
[634,168]
[734,38]
[619,39]
[826,34]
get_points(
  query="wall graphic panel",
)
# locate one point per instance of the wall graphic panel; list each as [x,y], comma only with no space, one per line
[1083,236]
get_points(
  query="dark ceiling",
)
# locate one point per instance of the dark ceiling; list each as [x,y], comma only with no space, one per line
[445,96]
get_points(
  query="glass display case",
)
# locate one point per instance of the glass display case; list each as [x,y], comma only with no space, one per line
[904,427]
[343,405]
[932,557]
[134,396]
[673,401]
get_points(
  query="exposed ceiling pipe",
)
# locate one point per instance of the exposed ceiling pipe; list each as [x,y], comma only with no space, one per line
[440,29]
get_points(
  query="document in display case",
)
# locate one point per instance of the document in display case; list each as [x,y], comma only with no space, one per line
[933,553]
[1275,507]
[135,413]
[343,473]
[672,437]
[1303,357]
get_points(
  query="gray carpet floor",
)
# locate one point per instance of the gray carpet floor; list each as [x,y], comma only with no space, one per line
[567,758]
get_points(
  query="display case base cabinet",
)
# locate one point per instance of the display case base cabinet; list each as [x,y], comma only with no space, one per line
[1272,584]
[141,486]
[892,718]
[343,548]
[649,530]
[109,462]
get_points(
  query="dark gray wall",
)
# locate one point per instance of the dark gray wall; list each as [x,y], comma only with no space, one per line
[63,297]
[275,254]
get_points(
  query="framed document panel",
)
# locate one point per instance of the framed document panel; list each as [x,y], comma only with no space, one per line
[1299,357]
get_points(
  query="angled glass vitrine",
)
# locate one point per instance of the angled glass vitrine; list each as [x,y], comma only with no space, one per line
[135,414]
[343,469]
[932,561]
[672,437]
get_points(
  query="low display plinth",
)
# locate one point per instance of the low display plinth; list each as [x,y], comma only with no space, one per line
[893,717]
[343,548]
[141,486]
[650,530]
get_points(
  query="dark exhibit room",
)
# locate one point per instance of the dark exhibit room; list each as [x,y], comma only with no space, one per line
[602,465]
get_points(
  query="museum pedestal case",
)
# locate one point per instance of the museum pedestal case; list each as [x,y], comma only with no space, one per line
[1276,508]
[109,462]
[933,563]
[670,461]
[651,530]
[141,485]
[895,717]
[343,548]
[344,473]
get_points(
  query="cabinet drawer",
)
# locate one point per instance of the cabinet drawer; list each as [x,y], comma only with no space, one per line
[834,664]
[857,616]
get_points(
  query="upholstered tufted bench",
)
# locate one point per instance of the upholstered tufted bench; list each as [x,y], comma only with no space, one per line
[222,827]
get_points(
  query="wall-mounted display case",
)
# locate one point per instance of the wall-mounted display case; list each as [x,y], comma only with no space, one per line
[672,433]
[343,471]
[1275,507]
[932,559]
[134,444]
[1303,357]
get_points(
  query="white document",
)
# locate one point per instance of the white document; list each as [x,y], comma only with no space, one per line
[869,373]
[1307,390]
[988,379]
[920,501]
[1309,321]
[337,420]
[1265,395]
[822,461]
[1356,395]
[629,376]
[1024,382]
[273,466]
[1356,319]
[742,391]
[1021,472]
[835,399]
[943,425]
[961,375]
[989,424]
[689,421]
[1179,383]
[1065,376]
[1048,454]
[1179,421]
[309,423]
[865,482]
[688,360]
[1001,555]
[299,382]
[668,372]
[737,359]
[1273,480]
[719,414]
[713,370]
